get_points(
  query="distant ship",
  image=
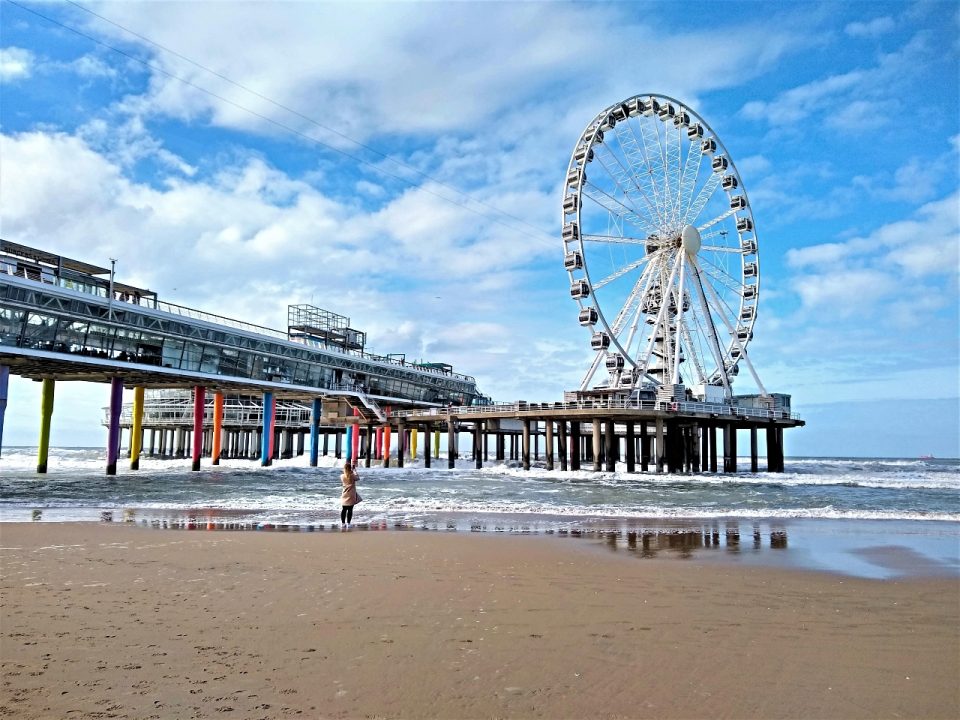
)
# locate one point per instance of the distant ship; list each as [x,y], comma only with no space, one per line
[927,457]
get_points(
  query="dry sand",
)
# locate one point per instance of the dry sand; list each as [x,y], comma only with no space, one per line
[123,621]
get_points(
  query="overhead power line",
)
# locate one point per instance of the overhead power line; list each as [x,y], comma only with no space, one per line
[287,128]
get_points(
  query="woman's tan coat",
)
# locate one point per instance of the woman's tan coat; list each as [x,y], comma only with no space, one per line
[349,495]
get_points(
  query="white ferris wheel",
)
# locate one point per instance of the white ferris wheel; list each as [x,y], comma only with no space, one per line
[661,249]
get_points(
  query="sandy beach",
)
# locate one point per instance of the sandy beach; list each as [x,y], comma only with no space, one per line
[103,620]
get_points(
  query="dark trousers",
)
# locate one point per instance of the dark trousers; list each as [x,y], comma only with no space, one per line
[346,514]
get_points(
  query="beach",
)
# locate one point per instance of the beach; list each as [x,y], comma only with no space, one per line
[120,620]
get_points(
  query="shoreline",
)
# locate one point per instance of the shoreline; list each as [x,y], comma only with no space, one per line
[874,549]
[115,620]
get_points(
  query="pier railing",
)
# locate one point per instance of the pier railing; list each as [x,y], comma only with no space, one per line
[732,411]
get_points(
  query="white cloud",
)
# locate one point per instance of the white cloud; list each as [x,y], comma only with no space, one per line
[851,101]
[15,64]
[870,29]
[90,66]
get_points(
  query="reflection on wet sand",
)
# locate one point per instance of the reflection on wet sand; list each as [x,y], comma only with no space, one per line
[678,539]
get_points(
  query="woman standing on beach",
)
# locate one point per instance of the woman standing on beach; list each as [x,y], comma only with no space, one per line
[349,497]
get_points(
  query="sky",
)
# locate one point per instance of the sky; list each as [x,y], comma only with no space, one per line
[403,164]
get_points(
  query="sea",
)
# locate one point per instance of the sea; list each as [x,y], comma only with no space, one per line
[869,517]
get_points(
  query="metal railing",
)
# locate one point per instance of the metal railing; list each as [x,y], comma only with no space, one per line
[651,405]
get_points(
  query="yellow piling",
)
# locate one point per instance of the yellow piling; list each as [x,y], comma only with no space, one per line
[136,431]
[46,412]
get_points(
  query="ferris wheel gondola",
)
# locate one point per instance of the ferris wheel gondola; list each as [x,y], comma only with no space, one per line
[660,247]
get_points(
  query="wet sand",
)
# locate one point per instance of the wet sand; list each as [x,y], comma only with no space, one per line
[102,620]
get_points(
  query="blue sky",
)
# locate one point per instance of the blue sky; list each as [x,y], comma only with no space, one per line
[278,184]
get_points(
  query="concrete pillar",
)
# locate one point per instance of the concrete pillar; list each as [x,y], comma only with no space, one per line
[451,444]
[548,441]
[326,442]
[385,451]
[713,447]
[660,451]
[216,449]
[436,444]
[414,432]
[199,400]
[595,444]
[644,447]
[401,442]
[477,442]
[575,444]
[136,431]
[562,444]
[4,389]
[266,457]
[46,414]
[754,463]
[704,446]
[536,441]
[426,445]
[609,440]
[338,443]
[368,444]
[316,407]
[498,444]
[631,448]
[526,443]
[153,441]
[113,432]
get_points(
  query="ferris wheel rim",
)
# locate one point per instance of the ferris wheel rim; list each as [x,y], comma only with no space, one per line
[726,362]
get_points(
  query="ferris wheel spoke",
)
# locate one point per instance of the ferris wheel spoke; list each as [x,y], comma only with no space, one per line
[691,173]
[708,321]
[614,206]
[614,239]
[719,218]
[706,192]
[661,315]
[632,303]
[722,276]
[645,159]
[722,249]
[621,272]
[626,179]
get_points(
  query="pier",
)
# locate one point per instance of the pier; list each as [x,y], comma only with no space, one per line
[207,386]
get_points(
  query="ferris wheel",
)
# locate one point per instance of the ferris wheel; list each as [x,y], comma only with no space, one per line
[661,249]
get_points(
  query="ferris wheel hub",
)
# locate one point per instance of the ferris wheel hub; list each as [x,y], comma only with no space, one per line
[690,237]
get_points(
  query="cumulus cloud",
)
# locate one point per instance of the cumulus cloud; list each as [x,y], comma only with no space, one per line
[870,28]
[15,64]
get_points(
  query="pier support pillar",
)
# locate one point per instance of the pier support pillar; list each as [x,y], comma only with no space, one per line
[350,433]
[4,389]
[498,447]
[216,449]
[575,445]
[401,442]
[199,400]
[316,407]
[266,457]
[729,448]
[153,441]
[113,432]
[526,444]
[46,413]
[548,442]
[644,447]
[451,444]
[368,444]
[610,440]
[136,430]
[704,447]
[414,432]
[562,444]
[660,449]
[754,462]
[595,444]
[426,445]
[631,448]
[385,451]
[713,447]
[478,444]
[774,449]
